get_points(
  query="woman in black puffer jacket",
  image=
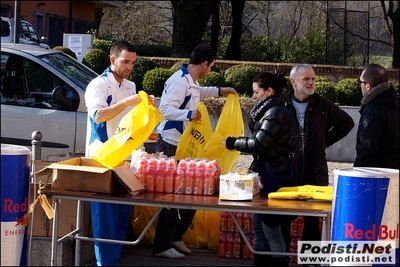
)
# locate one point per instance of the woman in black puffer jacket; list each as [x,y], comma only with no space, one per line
[270,146]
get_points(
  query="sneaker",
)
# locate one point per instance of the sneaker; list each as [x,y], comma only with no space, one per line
[179,245]
[170,253]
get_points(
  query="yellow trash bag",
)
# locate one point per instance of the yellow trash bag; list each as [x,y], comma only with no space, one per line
[304,192]
[230,123]
[195,136]
[144,215]
[204,232]
[134,128]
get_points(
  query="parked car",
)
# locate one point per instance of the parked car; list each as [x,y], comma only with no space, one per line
[43,89]
[27,33]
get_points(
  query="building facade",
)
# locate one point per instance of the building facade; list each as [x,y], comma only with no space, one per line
[54,18]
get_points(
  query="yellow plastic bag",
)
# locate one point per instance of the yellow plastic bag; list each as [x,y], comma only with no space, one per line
[142,220]
[134,128]
[195,136]
[230,123]
[204,232]
[304,192]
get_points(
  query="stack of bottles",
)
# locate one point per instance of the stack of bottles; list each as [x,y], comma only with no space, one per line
[296,231]
[231,243]
[189,176]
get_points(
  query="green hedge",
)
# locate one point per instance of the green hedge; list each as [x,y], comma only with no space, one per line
[97,60]
[142,65]
[154,80]
[241,78]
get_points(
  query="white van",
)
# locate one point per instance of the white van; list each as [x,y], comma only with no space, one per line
[27,33]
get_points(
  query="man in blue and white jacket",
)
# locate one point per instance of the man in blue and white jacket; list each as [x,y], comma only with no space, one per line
[109,97]
[182,93]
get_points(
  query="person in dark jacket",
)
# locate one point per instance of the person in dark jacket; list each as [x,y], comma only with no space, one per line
[270,146]
[317,123]
[378,129]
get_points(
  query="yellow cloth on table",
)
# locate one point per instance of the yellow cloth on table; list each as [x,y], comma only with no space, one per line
[304,192]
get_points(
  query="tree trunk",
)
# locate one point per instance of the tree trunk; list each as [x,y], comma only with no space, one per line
[215,27]
[396,39]
[190,19]
[233,51]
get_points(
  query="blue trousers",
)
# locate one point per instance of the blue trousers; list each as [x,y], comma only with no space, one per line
[267,238]
[109,221]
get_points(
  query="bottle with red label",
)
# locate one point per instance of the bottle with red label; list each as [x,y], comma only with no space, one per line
[221,245]
[224,221]
[239,219]
[180,177]
[231,223]
[160,175]
[217,172]
[237,245]
[246,222]
[150,174]
[208,178]
[199,178]
[141,171]
[253,245]
[229,245]
[170,170]
[300,225]
[189,177]
[245,249]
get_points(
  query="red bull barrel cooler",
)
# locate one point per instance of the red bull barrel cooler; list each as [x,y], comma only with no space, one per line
[15,173]
[366,205]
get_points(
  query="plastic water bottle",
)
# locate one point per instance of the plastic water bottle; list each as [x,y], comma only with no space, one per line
[160,175]
[208,178]
[236,248]
[141,171]
[180,177]
[216,175]
[189,177]
[150,174]
[170,170]
[199,178]
[222,245]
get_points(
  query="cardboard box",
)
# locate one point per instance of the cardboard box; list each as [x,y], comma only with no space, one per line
[42,226]
[87,174]
[236,186]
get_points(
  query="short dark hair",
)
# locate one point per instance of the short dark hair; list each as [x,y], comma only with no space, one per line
[375,74]
[119,46]
[202,53]
[276,81]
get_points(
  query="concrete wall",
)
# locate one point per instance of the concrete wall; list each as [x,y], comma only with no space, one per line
[332,72]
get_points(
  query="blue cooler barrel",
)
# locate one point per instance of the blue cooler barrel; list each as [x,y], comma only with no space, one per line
[366,206]
[15,172]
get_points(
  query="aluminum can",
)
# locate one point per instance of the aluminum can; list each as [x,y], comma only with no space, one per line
[15,168]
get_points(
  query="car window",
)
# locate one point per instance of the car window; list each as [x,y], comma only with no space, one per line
[76,72]
[5,29]
[26,83]
[30,32]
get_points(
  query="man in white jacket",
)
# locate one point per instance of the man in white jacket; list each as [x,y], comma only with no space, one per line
[182,93]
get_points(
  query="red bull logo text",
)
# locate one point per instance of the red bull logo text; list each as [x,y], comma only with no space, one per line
[381,232]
